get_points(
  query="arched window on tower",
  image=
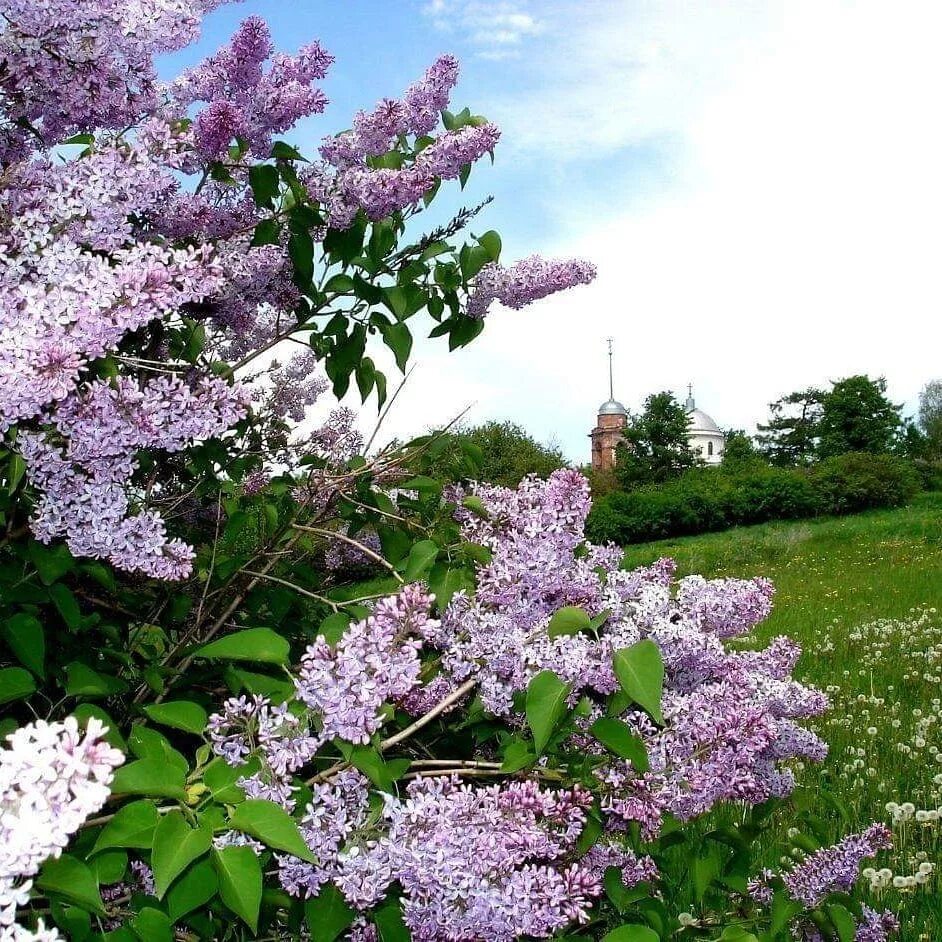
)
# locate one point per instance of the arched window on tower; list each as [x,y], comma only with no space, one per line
[709,448]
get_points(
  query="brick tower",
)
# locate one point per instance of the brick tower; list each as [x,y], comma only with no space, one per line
[611,422]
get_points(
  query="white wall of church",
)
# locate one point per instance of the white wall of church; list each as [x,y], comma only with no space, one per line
[709,446]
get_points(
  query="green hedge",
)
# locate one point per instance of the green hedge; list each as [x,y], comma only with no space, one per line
[708,499]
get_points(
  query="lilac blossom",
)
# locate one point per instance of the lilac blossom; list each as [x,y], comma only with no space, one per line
[375,661]
[243,100]
[835,869]
[85,484]
[526,281]
[52,777]
[67,66]
[732,718]
[497,854]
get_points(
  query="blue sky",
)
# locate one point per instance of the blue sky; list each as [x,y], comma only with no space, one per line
[757,181]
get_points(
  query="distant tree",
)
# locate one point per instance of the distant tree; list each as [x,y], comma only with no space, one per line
[496,452]
[913,443]
[856,415]
[739,449]
[655,447]
[930,415]
[790,437]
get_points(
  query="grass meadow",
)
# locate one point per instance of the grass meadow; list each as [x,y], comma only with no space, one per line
[863,596]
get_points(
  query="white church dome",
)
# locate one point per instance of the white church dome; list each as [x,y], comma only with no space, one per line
[701,422]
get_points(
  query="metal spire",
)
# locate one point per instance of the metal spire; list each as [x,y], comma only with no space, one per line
[611,383]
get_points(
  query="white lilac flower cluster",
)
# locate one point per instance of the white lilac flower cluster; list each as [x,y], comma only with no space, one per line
[52,777]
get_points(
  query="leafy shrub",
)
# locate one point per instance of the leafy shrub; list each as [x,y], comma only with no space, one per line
[710,499]
[859,481]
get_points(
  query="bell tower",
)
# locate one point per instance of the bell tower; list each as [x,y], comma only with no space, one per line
[611,422]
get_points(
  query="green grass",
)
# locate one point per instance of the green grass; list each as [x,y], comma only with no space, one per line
[861,595]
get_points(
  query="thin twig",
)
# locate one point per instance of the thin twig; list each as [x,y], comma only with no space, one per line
[292,586]
[335,535]
[388,406]
[427,718]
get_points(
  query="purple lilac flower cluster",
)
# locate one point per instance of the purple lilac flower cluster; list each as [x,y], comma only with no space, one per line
[67,66]
[279,739]
[52,777]
[732,722]
[243,100]
[86,483]
[835,868]
[346,182]
[374,662]
[731,717]
[831,870]
[474,862]
[526,281]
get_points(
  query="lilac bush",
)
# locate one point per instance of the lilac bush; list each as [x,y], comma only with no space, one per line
[311,691]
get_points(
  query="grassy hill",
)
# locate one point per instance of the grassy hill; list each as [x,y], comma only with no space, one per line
[863,596]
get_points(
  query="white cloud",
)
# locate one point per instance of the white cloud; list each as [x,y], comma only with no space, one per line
[494,28]
[795,238]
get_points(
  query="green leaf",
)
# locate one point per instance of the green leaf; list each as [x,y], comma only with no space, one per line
[109,866]
[640,671]
[631,933]
[220,778]
[476,506]
[24,634]
[518,755]
[491,244]
[545,706]
[275,688]
[150,777]
[72,880]
[151,925]
[83,681]
[252,644]
[176,846]
[395,299]
[398,338]
[569,620]
[263,178]
[74,922]
[301,251]
[17,468]
[195,887]
[381,773]
[420,560]
[617,737]
[240,882]
[15,683]
[267,232]
[423,484]
[272,825]
[132,826]
[51,562]
[179,714]
[282,151]
[327,914]
[67,605]
[147,743]
[843,922]
[339,284]
[389,923]
[86,711]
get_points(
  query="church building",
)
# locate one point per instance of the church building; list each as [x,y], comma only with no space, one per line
[704,435]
